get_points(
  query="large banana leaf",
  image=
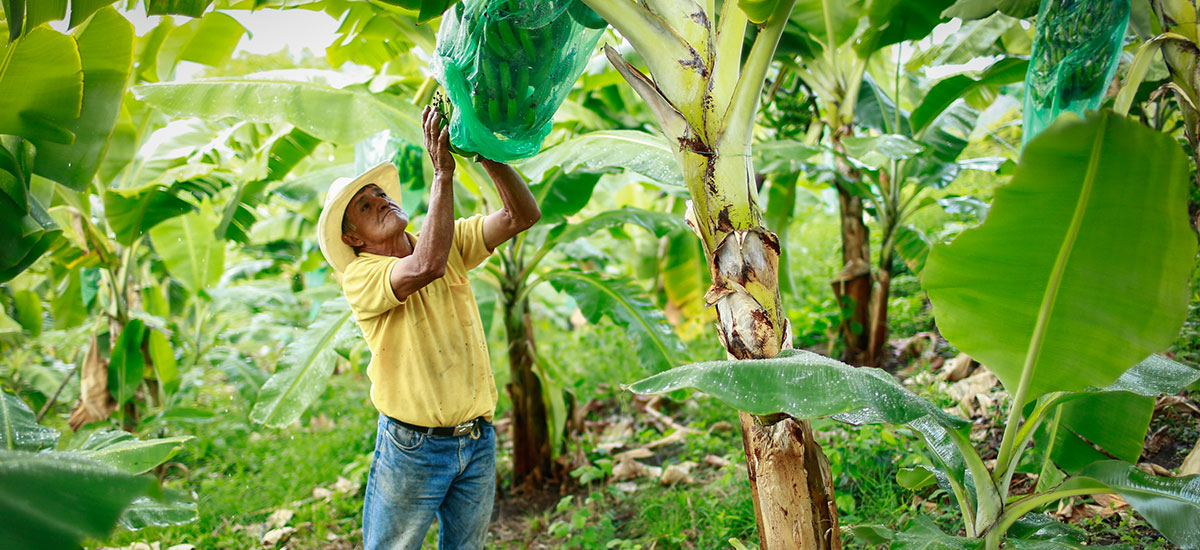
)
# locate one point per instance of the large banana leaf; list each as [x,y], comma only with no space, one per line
[641,152]
[656,344]
[209,40]
[41,86]
[341,116]
[190,249]
[1111,422]
[24,15]
[105,47]
[52,501]
[19,429]
[1082,267]
[190,8]
[1170,504]
[306,366]
[978,9]
[807,385]
[132,213]
[127,453]
[950,89]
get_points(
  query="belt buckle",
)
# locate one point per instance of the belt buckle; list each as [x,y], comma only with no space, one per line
[464,428]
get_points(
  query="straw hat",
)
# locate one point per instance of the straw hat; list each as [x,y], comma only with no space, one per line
[329,226]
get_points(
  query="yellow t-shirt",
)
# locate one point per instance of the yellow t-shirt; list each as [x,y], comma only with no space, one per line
[429,359]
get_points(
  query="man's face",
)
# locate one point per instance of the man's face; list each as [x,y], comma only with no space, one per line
[374,216]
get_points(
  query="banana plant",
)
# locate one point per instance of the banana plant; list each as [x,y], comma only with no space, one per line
[55,498]
[705,96]
[1064,304]
[828,48]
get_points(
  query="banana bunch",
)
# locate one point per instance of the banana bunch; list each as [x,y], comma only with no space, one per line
[1075,49]
[516,71]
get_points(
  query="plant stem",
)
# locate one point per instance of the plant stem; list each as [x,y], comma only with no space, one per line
[1007,453]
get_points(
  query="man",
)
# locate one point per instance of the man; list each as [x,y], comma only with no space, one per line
[431,381]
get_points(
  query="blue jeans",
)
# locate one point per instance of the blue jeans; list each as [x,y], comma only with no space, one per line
[415,477]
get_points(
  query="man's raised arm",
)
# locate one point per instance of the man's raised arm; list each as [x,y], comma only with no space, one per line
[427,263]
[520,210]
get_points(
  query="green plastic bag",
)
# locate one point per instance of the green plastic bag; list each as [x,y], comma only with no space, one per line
[1076,50]
[507,65]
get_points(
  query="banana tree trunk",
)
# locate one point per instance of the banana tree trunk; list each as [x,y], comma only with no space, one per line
[853,286]
[705,96]
[530,432]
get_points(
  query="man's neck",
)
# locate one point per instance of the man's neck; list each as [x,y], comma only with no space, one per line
[397,247]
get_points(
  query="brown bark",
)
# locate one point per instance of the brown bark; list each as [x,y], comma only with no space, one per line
[530,428]
[786,465]
[853,286]
[879,314]
[789,475]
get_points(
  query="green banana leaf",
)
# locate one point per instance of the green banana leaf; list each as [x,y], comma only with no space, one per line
[125,452]
[127,366]
[105,45]
[1082,267]
[656,344]
[340,116]
[36,12]
[950,89]
[974,39]
[208,40]
[895,21]
[978,9]
[82,9]
[190,8]
[876,151]
[52,501]
[19,430]
[305,368]
[190,249]
[1112,421]
[660,224]
[28,306]
[1170,504]
[41,86]
[132,213]
[603,151]
[921,534]
[807,385]
[172,508]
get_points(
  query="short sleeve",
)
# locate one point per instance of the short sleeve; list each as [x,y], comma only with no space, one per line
[468,241]
[368,286]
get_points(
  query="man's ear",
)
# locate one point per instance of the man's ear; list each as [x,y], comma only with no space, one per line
[352,240]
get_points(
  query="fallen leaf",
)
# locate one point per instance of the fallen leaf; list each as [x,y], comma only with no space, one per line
[279,518]
[345,486]
[274,536]
[677,473]
[1112,502]
[1191,464]
[626,486]
[721,426]
[321,493]
[628,468]
[640,452]
[956,369]
[716,461]
[965,390]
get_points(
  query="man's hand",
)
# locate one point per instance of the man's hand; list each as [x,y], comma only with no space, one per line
[437,141]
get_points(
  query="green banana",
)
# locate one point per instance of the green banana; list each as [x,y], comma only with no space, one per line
[1074,49]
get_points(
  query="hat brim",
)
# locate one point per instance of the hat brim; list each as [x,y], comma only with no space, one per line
[329,226]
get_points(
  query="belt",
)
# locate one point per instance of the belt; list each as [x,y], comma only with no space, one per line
[461,429]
